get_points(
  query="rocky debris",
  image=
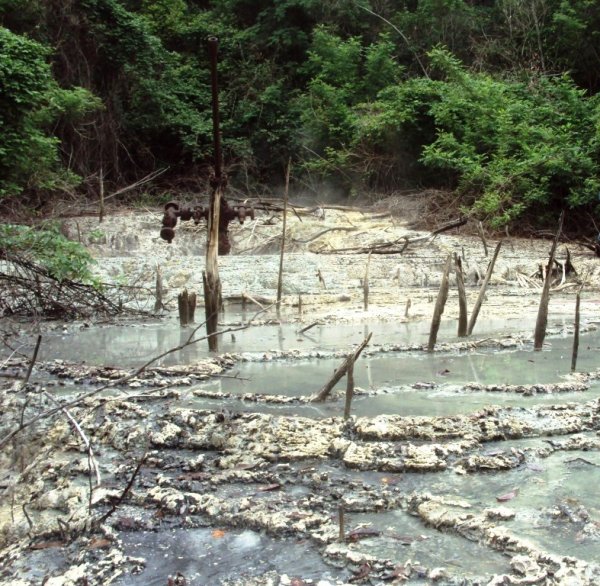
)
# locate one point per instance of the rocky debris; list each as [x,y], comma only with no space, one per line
[263,471]
[151,376]
[530,390]
[497,461]
[405,457]
[531,564]
[489,424]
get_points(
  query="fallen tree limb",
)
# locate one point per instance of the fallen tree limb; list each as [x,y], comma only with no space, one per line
[319,234]
[124,493]
[79,430]
[392,246]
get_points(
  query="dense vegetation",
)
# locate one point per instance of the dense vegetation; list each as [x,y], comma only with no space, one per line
[496,100]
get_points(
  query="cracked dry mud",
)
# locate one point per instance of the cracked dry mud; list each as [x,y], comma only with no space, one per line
[494,492]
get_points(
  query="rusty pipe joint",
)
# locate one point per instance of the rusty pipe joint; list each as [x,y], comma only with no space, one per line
[173,212]
[242,212]
[186,214]
[200,213]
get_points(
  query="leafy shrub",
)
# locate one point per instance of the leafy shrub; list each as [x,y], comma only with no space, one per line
[62,258]
[508,146]
[514,146]
[30,103]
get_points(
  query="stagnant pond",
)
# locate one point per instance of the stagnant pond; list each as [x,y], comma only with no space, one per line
[388,382]
[408,382]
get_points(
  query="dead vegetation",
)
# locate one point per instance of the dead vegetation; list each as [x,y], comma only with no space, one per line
[27,288]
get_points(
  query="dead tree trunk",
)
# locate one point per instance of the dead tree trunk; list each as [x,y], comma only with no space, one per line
[439,306]
[483,289]
[482,236]
[285,204]
[340,372]
[349,387]
[158,294]
[576,331]
[462,297]
[210,277]
[542,317]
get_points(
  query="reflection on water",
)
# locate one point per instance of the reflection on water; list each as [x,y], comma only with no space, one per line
[408,383]
[404,537]
[565,481]
[125,346]
[209,556]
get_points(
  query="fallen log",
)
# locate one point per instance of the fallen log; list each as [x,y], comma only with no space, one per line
[392,246]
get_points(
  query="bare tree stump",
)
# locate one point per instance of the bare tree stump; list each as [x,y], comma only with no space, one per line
[542,317]
[439,306]
[462,297]
[576,331]
[183,307]
[366,284]
[482,290]
[349,387]
[191,307]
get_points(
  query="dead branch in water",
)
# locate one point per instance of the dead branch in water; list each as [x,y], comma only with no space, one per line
[86,442]
[115,383]
[340,372]
[124,493]
[32,362]
[542,318]
[483,289]
[439,305]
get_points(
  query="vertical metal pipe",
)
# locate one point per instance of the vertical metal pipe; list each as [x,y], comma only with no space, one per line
[213,44]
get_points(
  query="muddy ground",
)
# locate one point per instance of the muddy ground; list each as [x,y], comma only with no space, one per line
[134,483]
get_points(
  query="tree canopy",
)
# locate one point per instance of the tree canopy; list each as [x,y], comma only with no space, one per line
[494,100]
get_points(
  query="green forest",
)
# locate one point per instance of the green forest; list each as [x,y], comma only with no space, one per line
[494,101]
